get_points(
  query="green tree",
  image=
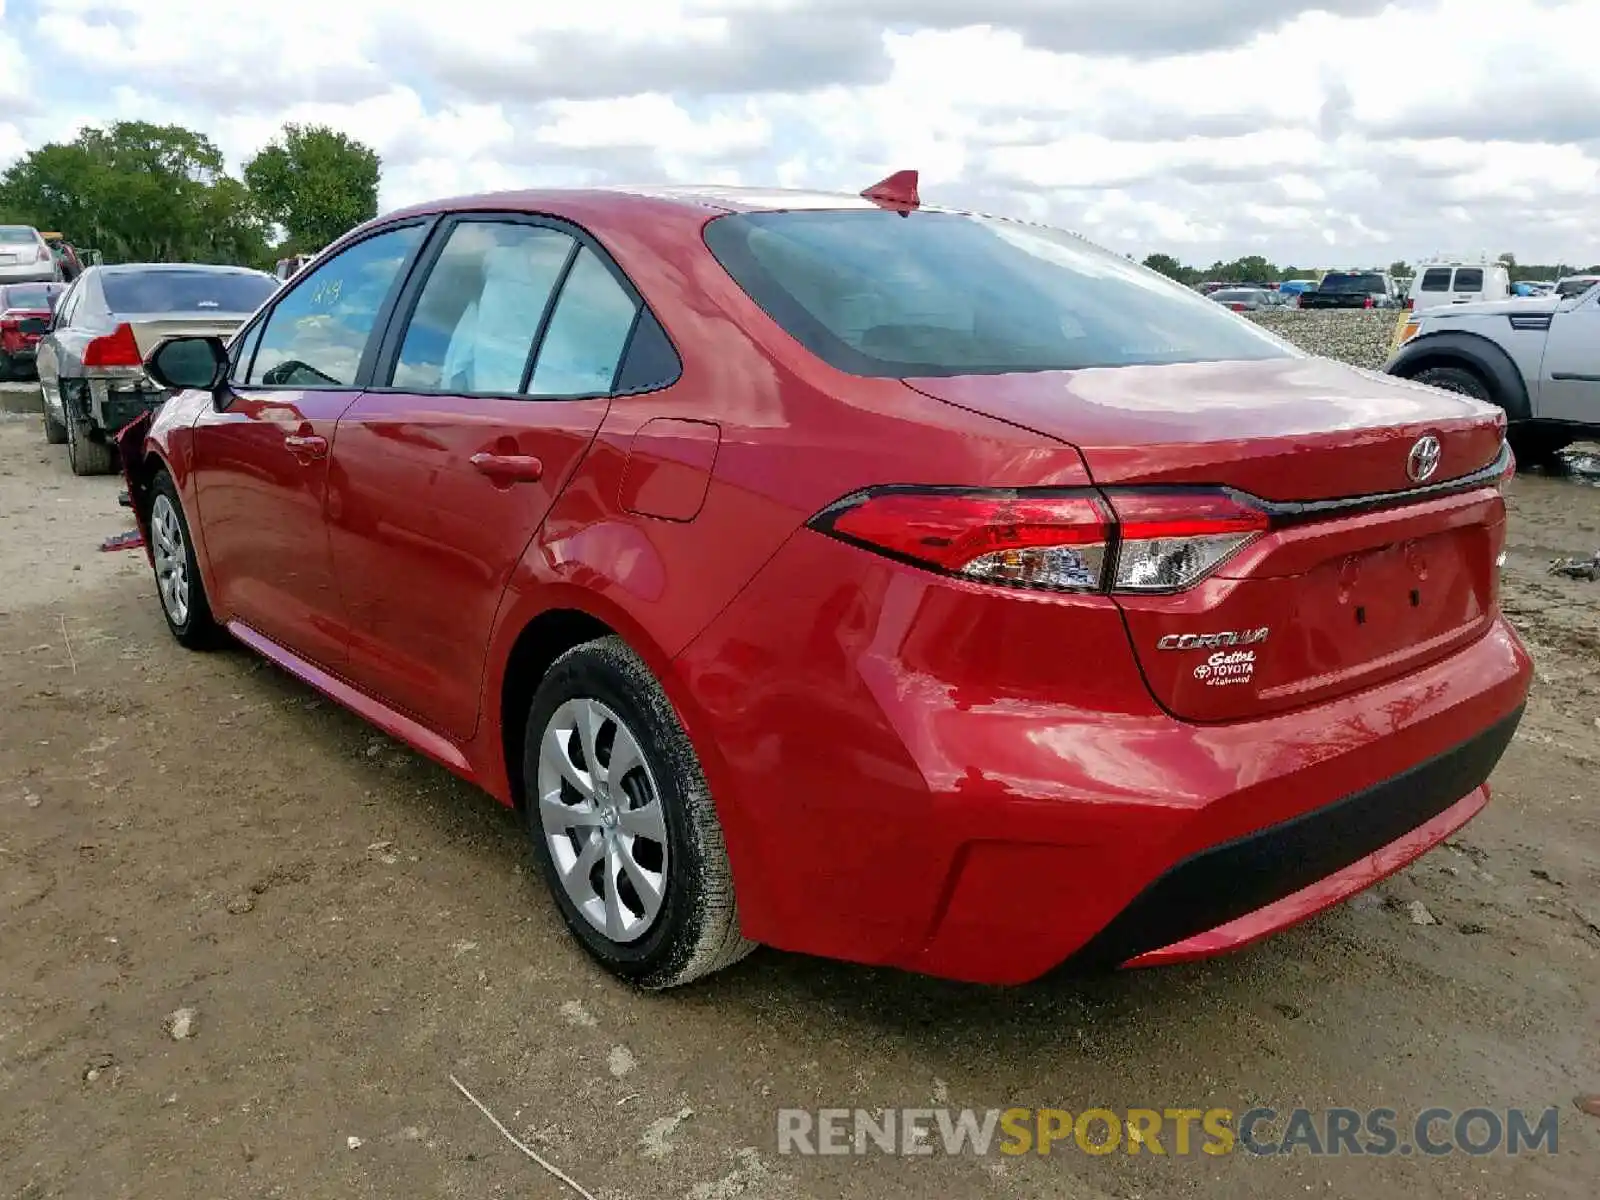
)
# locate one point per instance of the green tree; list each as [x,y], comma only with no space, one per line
[1400,269]
[1170,267]
[316,183]
[137,192]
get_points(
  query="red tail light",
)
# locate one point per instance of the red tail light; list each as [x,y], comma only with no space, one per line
[1410,304]
[44,254]
[1236,306]
[115,349]
[1055,540]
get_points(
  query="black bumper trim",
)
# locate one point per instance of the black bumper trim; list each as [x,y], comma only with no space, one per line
[1224,882]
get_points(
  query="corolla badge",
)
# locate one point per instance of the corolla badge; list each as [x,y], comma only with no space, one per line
[1423,460]
[1210,641]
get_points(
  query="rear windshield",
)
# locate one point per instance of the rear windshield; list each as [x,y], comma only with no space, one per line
[185,291]
[1568,288]
[881,294]
[1469,279]
[28,295]
[1436,279]
[1367,284]
[17,235]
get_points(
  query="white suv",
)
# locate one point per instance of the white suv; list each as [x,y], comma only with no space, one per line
[1458,283]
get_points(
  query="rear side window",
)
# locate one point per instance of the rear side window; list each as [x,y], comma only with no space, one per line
[588,332]
[878,293]
[1469,279]
[475,322]
[1436,279]
[135,292]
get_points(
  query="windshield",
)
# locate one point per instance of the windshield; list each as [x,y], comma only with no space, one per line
[1351,283]
[880,293]
[29,295]
[17,235]
[1568,288]
[185,291]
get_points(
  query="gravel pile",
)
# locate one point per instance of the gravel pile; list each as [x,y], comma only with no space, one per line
[1359,337]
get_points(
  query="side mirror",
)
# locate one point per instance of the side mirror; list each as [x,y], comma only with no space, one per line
[189,362]
[38,325]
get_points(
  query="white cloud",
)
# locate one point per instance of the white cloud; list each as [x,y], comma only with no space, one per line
[1353,130]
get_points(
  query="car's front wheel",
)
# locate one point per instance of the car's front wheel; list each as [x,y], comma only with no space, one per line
[1456,379]
[622,821]
[178,582]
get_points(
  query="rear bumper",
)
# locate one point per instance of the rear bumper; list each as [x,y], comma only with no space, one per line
[919,773]
[19,275]
[1233,893]
[116,400]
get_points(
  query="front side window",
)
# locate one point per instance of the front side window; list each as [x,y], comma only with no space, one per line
[315,336]
[878,293]
[475,321]
[240,351]
[582,348]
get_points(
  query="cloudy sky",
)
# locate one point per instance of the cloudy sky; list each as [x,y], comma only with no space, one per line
[1343,131]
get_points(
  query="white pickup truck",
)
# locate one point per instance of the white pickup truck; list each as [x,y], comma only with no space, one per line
[1539,359]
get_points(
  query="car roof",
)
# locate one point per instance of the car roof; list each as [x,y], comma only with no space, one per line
[217,268]
[575,202]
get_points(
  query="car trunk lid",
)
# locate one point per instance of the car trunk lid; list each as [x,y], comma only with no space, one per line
[149,329]
[1365,572]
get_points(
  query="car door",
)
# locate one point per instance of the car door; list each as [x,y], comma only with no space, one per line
[261,452]
[1569,379]
[496,374]
[47,359]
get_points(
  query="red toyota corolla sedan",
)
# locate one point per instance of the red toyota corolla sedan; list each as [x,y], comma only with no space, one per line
[836,573]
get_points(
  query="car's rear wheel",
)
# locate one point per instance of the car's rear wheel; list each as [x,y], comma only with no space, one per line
[178,582]
[85,455]
[622,821]
[55,432]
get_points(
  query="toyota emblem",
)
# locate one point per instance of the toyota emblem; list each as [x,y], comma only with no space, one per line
[1424,459]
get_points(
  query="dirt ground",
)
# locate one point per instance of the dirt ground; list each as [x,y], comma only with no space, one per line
[351,927]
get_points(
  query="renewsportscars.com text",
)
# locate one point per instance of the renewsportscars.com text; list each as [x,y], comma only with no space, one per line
[1178,1132]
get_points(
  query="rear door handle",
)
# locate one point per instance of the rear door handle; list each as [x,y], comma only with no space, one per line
[306,446]
[509,468]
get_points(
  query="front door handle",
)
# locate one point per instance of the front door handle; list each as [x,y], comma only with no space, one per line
[509,468]
[306,446]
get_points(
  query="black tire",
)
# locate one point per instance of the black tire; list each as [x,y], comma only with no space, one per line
[85,455]
[55,432]
[1456,379]
[696,929]
[194,626]
[5,368]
